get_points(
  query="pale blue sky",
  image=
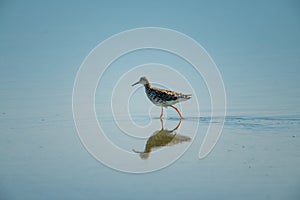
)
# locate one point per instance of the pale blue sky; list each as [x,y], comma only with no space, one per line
[254,44]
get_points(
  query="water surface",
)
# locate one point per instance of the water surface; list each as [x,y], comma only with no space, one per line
[255,158]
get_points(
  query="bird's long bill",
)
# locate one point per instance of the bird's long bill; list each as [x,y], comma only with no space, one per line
[135,83]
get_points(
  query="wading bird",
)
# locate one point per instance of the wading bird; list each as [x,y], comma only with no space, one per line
[162,97]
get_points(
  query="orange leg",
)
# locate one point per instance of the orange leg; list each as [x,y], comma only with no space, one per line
[162,112]
[181,117]
[178,125]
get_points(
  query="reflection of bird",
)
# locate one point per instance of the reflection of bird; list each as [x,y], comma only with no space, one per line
[162,138]
[161,97]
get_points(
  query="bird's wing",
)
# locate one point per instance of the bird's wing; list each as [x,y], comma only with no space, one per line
[166,95]
[172,93]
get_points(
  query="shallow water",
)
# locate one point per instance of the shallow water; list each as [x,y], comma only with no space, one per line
[255,158]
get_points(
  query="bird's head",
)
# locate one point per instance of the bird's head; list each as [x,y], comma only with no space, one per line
[143,80]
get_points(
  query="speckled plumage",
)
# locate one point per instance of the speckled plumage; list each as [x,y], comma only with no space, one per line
[162,97]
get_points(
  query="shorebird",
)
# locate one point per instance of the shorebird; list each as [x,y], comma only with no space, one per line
[161,97]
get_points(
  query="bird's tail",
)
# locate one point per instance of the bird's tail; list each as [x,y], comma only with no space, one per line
[185,96]
[188,96]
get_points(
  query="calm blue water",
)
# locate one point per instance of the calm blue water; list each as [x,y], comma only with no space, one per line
[256,158]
